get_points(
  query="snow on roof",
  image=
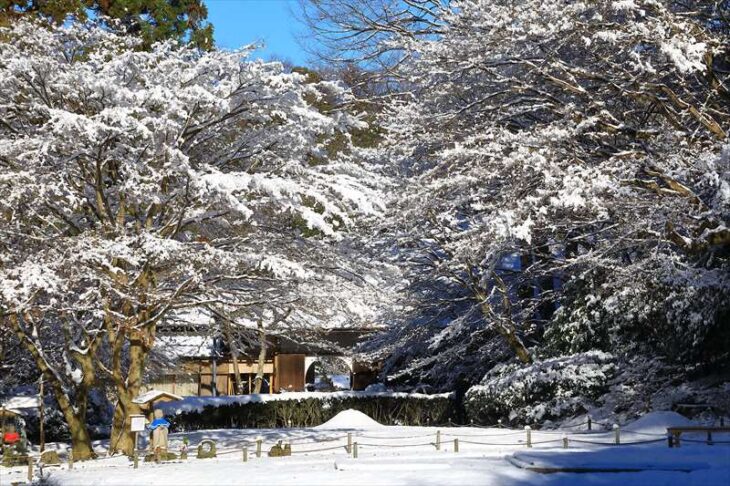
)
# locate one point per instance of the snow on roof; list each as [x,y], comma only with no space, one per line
[193,315]
[184,346]
[154,395]
[20,402]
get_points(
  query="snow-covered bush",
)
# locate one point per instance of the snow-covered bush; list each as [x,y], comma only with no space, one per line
[676,314]
[545,390]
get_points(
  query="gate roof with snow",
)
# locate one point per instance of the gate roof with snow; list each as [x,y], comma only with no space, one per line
[151,398]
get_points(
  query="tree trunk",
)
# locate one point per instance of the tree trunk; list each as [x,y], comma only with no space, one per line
[262,358]
[504,326]
[74,412]
[127,388]
[128,385]
[80,438]
[122,439]
[234,356]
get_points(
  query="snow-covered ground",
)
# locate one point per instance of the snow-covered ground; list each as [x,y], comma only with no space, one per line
[407,455]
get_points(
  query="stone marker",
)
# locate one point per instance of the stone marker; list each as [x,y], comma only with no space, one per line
[50,457]
[206,449]
[280,451]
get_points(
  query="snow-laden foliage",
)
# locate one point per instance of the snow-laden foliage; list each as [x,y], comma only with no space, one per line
[135,183]
[566,155]
[544,390]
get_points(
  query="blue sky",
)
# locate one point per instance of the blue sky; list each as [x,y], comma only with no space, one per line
[242,22]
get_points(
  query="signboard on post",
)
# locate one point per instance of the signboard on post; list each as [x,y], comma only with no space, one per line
[136,423]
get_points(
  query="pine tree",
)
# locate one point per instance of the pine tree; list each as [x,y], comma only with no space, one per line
[153,20]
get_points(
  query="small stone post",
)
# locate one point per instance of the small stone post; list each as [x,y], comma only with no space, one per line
[245,454]
[565,441]
[456,445]
[499,423]
[354,450]
[30,469]
[617,432]
[259,440]
[349,442]
[528,432]
[438,440]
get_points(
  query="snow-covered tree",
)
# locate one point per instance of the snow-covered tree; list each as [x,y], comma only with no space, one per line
[137,183]
[578,146]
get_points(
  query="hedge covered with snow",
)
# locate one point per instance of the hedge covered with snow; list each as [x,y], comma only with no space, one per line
[307,409]
[545,390]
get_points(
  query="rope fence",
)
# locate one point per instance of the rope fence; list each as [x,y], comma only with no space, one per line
[453,437]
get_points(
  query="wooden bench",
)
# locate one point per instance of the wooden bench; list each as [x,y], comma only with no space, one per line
[674,433]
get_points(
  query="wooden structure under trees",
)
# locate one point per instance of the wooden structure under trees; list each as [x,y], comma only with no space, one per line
[209,370]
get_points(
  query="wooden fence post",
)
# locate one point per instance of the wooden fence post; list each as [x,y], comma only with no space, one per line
[590,423]
[565,441]
[354,450]
[71,459]
[617,432]
[259,440]
[456,445]
[438,440]
[349,442]
[245,454]
[528,432]
[30,469]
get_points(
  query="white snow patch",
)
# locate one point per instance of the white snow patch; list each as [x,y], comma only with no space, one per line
[21,401]
[657,423]
[350,419]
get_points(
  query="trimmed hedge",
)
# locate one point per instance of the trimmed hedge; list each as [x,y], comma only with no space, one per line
[310,412]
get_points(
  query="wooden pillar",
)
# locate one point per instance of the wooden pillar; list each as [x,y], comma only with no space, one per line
[41,419]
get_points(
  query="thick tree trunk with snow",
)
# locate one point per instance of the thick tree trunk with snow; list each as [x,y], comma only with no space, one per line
[127,387]
[80,438]
[122,439]
[127,383]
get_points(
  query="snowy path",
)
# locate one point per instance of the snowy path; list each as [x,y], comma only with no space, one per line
[417,464]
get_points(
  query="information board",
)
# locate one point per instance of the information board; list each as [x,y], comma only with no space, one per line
[137,423]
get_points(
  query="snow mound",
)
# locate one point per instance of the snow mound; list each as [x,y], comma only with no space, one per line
[350,419]
[657,423]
